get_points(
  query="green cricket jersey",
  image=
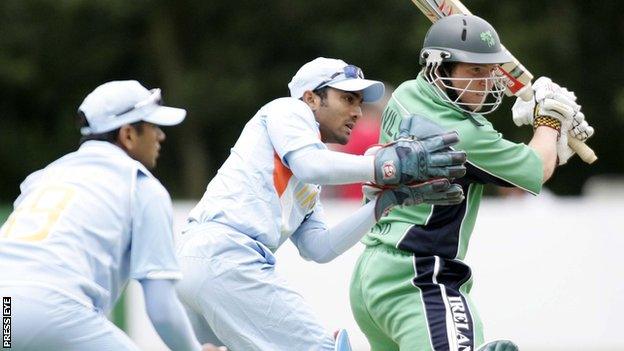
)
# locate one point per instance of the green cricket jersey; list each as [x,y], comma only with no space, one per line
[444,231]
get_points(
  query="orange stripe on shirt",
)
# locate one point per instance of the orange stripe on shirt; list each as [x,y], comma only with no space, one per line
[281,175]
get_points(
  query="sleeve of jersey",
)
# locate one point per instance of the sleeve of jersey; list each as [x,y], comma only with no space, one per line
[291,126]
[318,243]
[167,315]
[390,121]
[500,161]
[152,248]
[491,158]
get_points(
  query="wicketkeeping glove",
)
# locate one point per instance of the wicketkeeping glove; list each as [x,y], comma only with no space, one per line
[499,345]
[435,192]
[421,153]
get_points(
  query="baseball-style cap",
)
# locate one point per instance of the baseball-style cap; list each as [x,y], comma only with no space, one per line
[113,104]
[324,72]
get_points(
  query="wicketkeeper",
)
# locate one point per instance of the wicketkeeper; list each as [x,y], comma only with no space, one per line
[268,191]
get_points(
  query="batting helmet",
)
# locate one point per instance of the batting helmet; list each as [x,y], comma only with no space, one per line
[468,39]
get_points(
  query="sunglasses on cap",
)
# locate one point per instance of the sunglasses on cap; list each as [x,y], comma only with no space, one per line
[155,98]
[348,72]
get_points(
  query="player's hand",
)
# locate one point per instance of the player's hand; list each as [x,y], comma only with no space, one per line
[406,161]
[572,119]
[557,102]
[573,125]
[548,100]
[421,153]
[211,347]
[560,103]
[435,192]
[524,112]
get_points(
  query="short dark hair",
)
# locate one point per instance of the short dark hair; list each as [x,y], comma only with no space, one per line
[322,92]
[110,136]
[447,68]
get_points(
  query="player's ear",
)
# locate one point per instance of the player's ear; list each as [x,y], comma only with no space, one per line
[311,99]
[126,137]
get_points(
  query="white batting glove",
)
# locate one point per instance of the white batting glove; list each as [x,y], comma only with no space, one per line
[560,103]
[572,126]
[523,112]
[545,90]
[572,120]
[557,102]
[564,151]
[580,128]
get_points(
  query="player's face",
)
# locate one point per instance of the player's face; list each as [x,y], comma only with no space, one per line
[337,114]
[477,89]
[144,144]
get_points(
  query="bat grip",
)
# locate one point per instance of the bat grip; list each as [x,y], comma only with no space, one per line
[585,152]
[526,93]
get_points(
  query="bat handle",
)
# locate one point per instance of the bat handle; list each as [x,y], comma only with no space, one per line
[585,152]
[526,93]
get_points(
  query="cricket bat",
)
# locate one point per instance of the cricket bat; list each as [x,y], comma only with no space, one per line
[518,78]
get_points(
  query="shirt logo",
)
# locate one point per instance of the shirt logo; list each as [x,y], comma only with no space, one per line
[488,38]
[462,325]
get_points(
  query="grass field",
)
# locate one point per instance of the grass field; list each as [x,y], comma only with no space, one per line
[5,210]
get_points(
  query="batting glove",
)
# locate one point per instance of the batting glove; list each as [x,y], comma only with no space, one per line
[545,93]
[557,102]
[573,125]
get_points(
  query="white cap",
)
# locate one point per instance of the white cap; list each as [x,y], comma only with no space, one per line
[322,72]
[116,103]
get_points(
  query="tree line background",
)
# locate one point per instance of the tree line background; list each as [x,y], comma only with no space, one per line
[223,59]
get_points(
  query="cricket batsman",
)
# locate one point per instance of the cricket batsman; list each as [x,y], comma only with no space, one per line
[410,287]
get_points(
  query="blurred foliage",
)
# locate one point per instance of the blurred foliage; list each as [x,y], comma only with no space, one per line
[222,60]
[5,211]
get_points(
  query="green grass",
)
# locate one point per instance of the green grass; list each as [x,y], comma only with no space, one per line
[118,315]
[5,211]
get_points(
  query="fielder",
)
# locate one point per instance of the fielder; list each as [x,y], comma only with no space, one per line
[267,192]
[87,223]
[409,289]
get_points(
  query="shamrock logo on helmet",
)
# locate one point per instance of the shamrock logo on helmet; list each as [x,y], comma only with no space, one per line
[488,38]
